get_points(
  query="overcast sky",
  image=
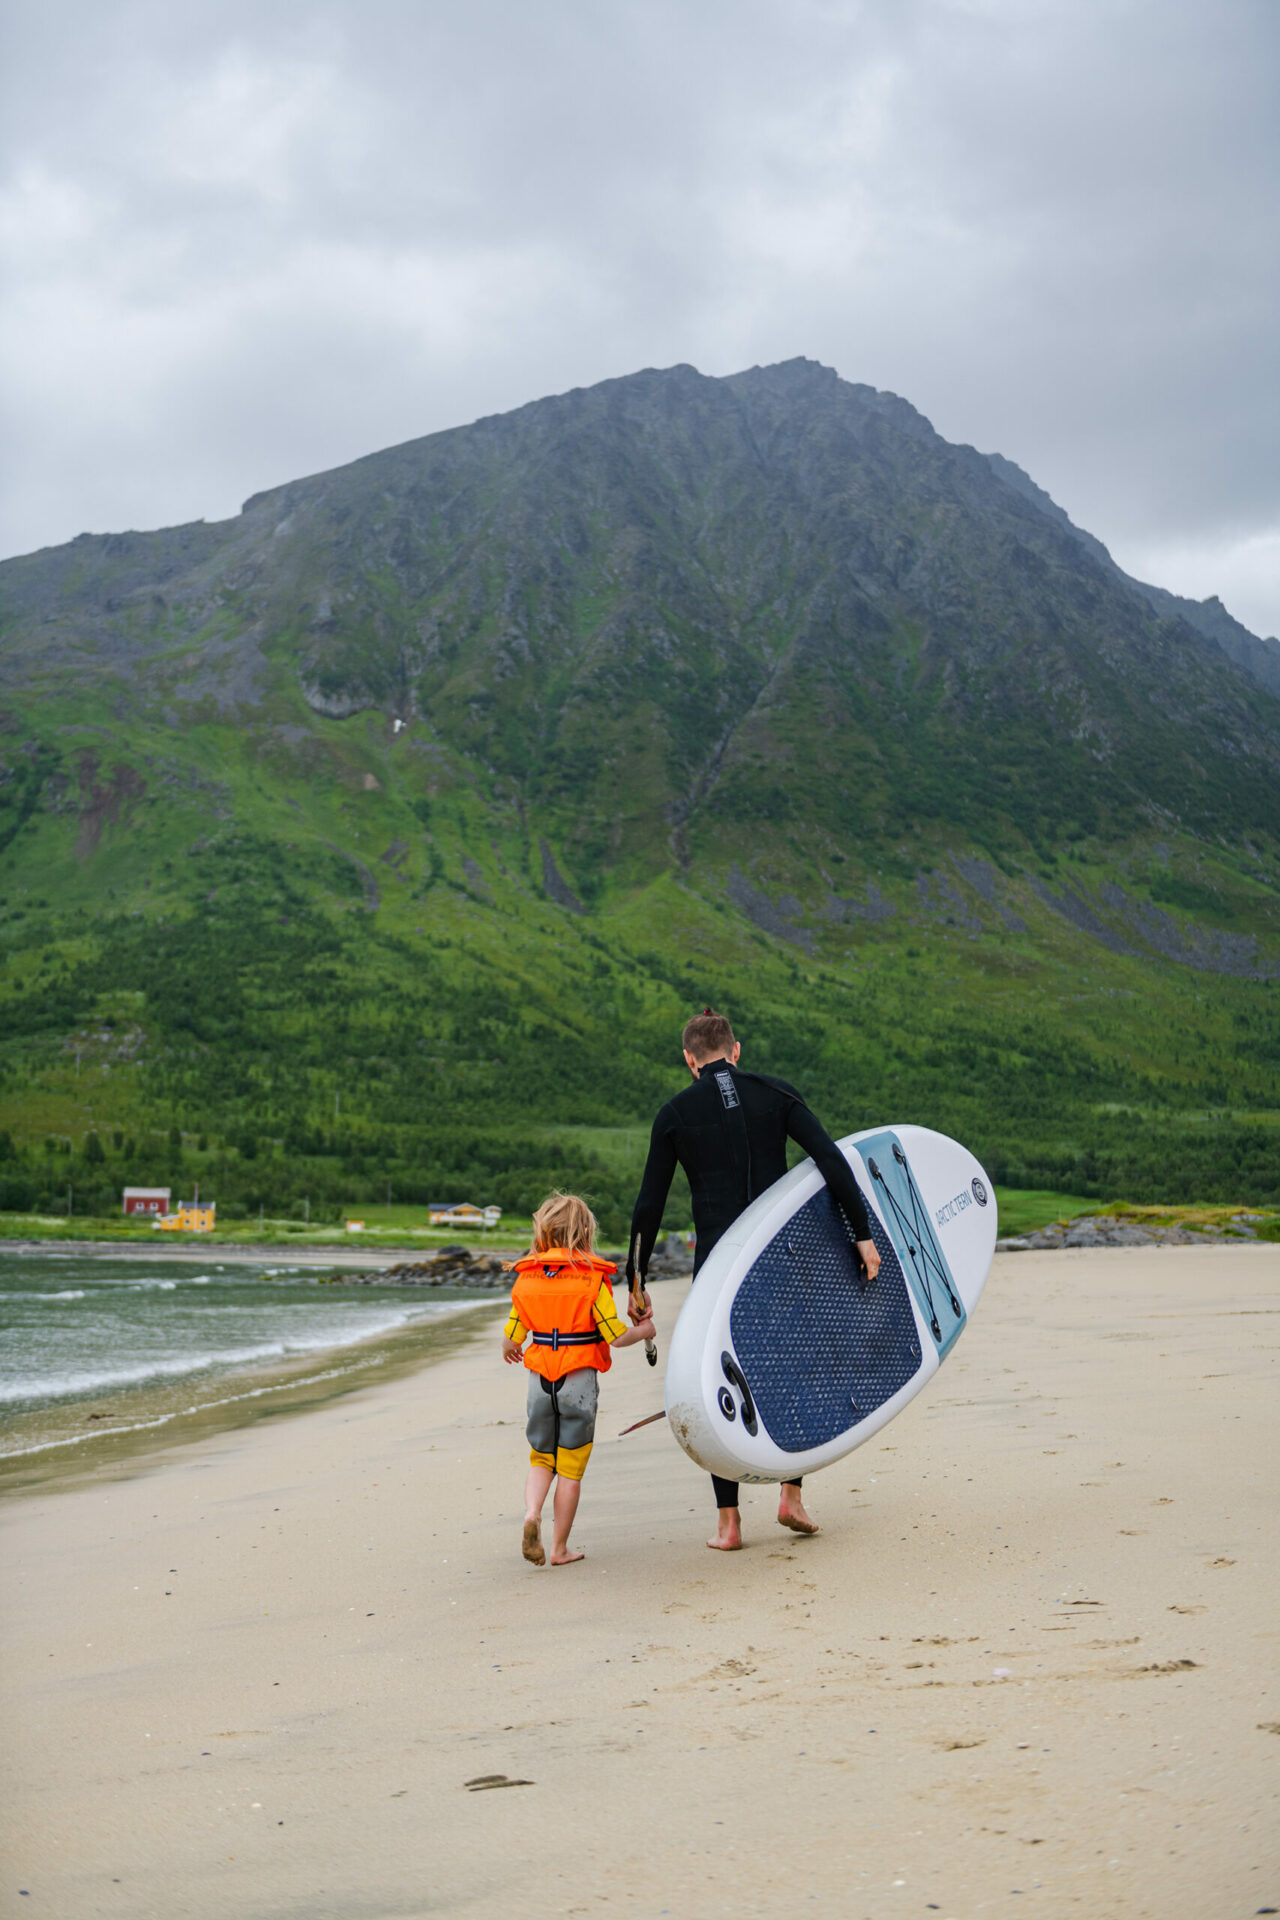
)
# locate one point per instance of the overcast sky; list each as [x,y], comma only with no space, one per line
[249,239]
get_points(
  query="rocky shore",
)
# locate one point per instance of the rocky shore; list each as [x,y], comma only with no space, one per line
[481,1271]
[478,1270]
[1109,1230]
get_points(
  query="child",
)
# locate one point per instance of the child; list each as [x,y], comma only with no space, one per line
[562,1297]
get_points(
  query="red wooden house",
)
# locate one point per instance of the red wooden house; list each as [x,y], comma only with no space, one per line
[146,1199]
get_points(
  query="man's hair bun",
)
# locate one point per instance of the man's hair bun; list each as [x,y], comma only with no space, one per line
[708,1035]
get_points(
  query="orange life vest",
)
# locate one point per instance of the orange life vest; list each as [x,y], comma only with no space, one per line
[553,1294]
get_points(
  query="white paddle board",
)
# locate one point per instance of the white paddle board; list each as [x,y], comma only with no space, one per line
[785,1357]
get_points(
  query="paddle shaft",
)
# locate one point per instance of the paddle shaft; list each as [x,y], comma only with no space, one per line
[646,1422]
[637,1296]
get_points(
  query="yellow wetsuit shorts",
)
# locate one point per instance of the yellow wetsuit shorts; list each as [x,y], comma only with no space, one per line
[562,1421]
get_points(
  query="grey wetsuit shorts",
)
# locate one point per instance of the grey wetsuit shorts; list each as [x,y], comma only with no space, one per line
[562,1420]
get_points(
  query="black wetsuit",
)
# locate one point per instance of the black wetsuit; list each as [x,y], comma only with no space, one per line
[729,1131]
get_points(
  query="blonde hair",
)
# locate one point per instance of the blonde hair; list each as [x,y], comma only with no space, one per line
[563,1220]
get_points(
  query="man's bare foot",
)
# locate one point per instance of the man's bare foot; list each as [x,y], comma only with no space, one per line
[565,1556]
[728,1531]
[531,1545]
[791,1514]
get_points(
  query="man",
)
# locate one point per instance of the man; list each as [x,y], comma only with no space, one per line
[729,1132]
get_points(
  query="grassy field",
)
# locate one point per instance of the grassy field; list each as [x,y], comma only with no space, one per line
[1022,1211]
[379,1229]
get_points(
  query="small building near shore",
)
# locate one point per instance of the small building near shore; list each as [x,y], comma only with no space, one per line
[146,1199]
[461,1213]
[189,1216]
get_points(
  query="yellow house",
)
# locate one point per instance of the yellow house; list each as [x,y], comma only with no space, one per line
[189,1216]
[461,1213]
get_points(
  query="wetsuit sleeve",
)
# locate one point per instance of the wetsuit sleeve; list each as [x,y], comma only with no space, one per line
[659,1172]
[515,1328]
[605,1313]
[808,1132]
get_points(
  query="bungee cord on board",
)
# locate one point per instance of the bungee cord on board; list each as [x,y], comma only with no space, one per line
[921,1244]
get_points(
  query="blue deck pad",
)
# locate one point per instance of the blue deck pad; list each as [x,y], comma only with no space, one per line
[819,1346]
[915,1238]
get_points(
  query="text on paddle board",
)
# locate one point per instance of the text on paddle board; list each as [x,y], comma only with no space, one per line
[953,1207]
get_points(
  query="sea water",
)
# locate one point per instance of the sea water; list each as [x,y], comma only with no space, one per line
[89,1344]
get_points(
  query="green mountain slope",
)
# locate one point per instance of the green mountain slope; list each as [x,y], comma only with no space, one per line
[390,830]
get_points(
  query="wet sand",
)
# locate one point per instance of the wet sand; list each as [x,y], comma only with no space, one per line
[1028,1667]
[55,1444]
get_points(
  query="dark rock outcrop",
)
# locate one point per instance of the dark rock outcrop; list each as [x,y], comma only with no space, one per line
[479,1271]
[1109,1230]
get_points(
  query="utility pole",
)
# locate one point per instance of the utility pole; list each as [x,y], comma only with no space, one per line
[306,1209]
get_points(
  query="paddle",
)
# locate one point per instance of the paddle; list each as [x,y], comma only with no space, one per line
[637,1297]
[646,1422]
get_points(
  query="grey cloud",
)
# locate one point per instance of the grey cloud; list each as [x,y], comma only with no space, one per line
[251,241]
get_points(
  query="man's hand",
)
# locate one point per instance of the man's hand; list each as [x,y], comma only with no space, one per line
[870,1257]
[511,1353]
[638,1313]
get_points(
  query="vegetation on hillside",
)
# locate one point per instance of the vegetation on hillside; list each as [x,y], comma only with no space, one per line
[380,841]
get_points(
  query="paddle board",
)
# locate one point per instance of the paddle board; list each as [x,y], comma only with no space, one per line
[785,1357]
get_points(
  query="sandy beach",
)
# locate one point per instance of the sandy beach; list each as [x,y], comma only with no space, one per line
[1029,1667]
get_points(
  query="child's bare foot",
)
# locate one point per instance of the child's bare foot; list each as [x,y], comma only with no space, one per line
[565,1556]
[791,1513]
[531,1545]
[728,1531]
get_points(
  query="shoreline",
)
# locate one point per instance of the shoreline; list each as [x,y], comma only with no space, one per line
[204,1248]
[404,1263]
[155,1421]
[242,1397]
